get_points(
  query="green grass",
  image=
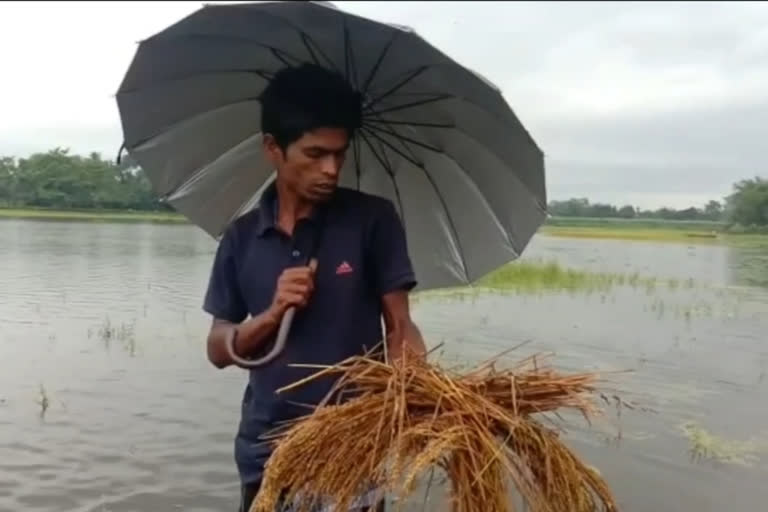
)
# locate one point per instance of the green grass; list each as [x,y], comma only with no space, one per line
[528,276]
[706,446]
[652,224]
[91,215]
[538,277]
[658,235]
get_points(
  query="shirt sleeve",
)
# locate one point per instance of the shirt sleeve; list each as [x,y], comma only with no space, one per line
[223,299]
[391,264]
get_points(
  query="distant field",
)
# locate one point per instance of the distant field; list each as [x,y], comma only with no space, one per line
[571,227]
[553,222]
[689,225]
[90,215]
[648,230]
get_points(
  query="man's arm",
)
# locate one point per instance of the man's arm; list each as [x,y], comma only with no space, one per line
[252,334]
[402,335]
[394,278]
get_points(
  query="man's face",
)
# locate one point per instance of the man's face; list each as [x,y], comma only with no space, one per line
[310,166]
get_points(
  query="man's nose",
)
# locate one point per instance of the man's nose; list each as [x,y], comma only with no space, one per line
[331,165]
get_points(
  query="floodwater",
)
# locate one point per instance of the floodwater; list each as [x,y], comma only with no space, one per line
[107,402]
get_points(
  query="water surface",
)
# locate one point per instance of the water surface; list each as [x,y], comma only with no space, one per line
[104,320]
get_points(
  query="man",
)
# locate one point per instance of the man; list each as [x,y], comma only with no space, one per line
[362,271]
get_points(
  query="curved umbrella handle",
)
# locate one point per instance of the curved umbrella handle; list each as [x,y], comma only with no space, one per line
[282,336]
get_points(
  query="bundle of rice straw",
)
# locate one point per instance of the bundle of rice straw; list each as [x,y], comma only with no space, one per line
[407,418]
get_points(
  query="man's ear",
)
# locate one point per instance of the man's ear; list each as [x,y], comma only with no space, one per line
[272,150]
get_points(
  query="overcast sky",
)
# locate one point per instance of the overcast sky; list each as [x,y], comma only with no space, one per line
[652,104]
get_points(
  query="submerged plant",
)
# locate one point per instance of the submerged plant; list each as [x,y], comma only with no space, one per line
[44,402]
[707,446]
[534,278]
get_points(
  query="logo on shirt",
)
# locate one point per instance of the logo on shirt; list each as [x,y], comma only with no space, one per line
[344,268]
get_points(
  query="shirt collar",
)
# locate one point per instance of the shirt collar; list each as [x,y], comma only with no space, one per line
[268,205]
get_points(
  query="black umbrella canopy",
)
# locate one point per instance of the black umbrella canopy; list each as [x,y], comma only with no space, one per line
[437,139]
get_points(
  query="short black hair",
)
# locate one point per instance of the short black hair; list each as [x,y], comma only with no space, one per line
[301,99]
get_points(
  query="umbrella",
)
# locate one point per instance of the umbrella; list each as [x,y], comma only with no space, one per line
[438,139]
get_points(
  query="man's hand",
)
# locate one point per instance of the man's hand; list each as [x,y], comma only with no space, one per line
[408,350]
[294,288]
[404,340]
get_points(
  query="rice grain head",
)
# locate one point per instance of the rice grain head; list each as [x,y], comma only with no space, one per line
[480,428]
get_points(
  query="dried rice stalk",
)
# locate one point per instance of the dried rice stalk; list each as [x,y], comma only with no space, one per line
[404,419]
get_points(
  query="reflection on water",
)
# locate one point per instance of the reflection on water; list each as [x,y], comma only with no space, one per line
[108,404]
[749,266]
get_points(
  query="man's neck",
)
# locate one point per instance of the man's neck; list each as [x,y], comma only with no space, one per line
[290,209]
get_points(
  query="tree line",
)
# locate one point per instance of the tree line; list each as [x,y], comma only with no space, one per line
[746,206]
[60,180]
[581,207]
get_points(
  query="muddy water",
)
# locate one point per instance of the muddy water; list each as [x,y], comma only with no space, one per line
[108,404]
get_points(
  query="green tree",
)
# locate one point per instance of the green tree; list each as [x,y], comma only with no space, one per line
[57,179]
[713,210]
[570,208]
[7,181]
[627,212]
[748,204]
[603,210]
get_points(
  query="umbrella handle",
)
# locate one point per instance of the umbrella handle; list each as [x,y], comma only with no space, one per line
[282,336]
[277,349]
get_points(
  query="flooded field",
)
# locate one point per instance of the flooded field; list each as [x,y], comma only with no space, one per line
[107,402]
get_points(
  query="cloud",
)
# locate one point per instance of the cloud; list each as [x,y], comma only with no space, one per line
[650,103]
[661,158]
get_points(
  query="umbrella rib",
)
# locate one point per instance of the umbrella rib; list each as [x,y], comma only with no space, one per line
[413,160]
[279,57]
[414,124]
[224,37]
[349,58]
[309,49]
[392,174]
[306,39]
[466,174]
[263,73]
[412,104]
[390,130]
[165,129]
[389,173]
[379,60]
[356,152]
[346,48]
[385,157]
[266,75]
[353,62]
[402,138]
[373,117]
[402,83]
[440,197]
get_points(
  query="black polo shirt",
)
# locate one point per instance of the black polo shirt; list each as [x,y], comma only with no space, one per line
[362,254]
